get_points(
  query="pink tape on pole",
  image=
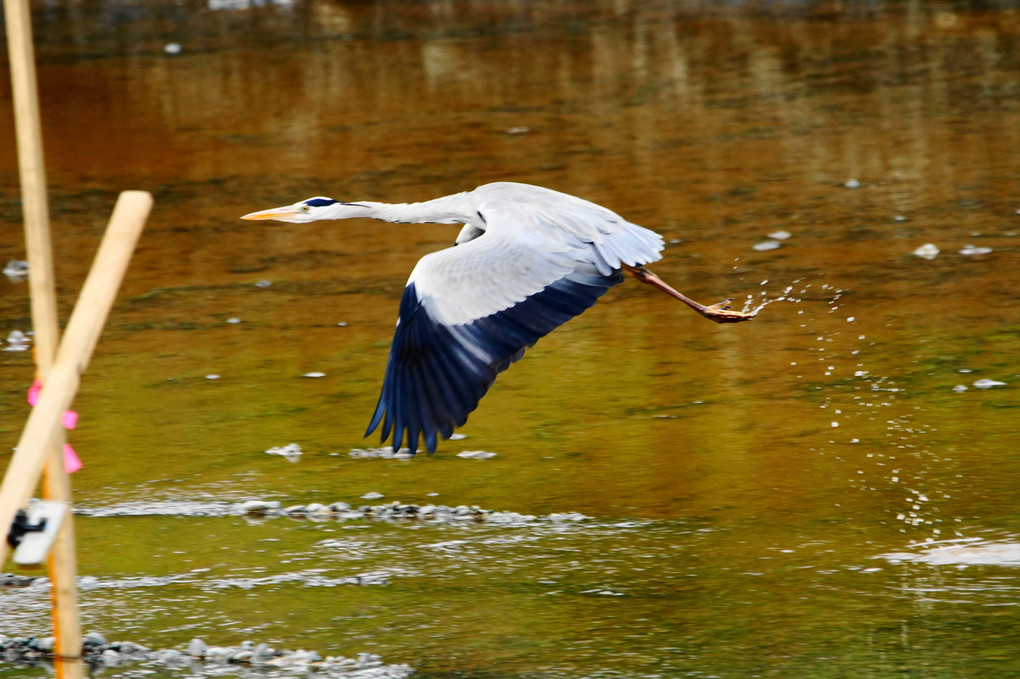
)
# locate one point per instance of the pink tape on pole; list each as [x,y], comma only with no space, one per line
[69,419]
[33,392]
[71,461]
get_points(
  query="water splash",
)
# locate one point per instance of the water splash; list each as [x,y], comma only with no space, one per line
[753,305]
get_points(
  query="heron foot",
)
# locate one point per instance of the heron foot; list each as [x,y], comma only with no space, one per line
[722,312]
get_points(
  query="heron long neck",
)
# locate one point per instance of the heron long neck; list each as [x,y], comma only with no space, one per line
[445,210]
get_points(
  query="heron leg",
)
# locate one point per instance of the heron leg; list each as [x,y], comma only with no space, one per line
[720,313]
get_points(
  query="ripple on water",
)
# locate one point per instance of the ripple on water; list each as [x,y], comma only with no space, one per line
[962,552]
[338,511]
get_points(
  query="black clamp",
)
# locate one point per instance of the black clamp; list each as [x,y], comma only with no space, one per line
[20,527]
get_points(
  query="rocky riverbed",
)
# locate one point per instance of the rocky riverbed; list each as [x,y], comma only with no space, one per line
[199,658]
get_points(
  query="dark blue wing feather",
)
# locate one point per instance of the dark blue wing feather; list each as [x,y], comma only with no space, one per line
[437,374]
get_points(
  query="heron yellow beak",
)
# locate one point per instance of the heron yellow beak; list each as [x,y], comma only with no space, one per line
[283,214]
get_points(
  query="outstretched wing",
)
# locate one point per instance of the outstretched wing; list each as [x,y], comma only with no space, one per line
[466,314]
[469,311]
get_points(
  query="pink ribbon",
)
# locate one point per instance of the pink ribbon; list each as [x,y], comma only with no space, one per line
[71,461]
[69,419]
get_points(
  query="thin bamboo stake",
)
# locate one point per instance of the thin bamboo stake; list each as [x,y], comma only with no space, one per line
[63,567]
[33,179]
[80,337]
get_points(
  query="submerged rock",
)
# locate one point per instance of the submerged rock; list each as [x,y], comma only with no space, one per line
[292,452]
[94,638]
[262,653]
[197,648]
[385,452]
[12,580]
[17,341]
[16,269]
[476,454]
[988,384]
[259,507]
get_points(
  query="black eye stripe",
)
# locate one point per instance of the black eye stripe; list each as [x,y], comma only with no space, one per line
[319,202]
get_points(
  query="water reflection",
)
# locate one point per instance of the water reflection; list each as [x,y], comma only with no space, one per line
[749,487]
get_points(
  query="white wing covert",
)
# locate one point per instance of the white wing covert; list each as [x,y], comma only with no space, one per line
[469,311]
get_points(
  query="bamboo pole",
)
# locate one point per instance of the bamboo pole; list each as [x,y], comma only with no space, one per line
[63,567]
[33,178]
[75,350]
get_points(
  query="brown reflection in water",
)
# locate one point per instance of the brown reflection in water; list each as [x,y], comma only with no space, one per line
[714,125]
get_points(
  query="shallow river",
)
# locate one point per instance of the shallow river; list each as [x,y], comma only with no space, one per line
[822,492]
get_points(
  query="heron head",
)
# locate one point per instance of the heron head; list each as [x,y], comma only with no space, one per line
[303,211]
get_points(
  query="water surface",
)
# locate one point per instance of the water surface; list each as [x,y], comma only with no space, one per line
[809,494]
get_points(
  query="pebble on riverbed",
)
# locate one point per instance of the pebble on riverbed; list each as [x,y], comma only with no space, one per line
[17,341]
[476,454]
[292,452]
[98,653]
[16,270]
[385,452]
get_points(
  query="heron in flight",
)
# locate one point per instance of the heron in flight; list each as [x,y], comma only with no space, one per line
[527,260]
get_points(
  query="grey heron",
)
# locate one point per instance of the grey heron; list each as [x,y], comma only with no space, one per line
[527,260]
